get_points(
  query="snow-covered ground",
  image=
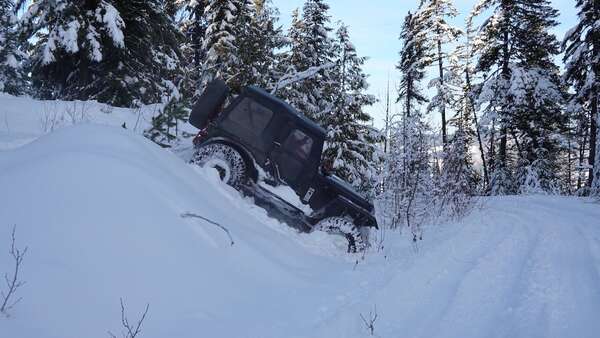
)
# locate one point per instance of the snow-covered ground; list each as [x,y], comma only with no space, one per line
[99,208]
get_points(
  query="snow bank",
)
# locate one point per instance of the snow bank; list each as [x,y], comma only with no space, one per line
[99,209]
[23,119]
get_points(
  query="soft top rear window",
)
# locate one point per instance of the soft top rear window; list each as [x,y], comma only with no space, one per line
[248,118]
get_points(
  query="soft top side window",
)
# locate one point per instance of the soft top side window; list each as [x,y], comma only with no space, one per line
[299,144]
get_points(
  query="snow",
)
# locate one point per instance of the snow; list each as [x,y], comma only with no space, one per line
[113,23]
[289,195]
[99,208]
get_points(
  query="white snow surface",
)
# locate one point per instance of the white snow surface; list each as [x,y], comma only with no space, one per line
[99,209]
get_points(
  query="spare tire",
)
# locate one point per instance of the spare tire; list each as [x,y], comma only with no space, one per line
[209,103]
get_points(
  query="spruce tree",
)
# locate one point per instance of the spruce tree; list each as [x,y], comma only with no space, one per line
[220,43]
[523,94]
[311,46]
[259,38]
[12,78]
[582,62]
[408,189]
[149,68]
[193,25]
[69,38]
[351,142]
[435,15]
[124,53]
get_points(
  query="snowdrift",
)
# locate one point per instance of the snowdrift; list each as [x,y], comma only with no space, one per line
[100,210]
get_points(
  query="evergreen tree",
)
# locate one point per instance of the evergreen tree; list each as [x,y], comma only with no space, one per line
[351,143]
[12,79]
[258,41]
[595,191]
[435,15]
[523,94]
[220,42]
[582,62]
[119,52]
[311,46]
[149,68]
[407,193]
[413,61]
[69,36]
[165,125]
[193,25]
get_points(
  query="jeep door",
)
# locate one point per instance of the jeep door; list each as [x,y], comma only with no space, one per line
[293,155]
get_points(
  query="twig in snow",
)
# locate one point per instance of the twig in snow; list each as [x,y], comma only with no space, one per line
[13,282]
[370,323]
[130,331]
[191,215]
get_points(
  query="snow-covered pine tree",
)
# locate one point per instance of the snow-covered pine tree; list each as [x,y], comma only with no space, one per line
[12,78]
[595,191]
[435,15]
[119,52]
[460,79]
[149,68]
[69,36]
[523,94]
[456,184]
[310,46]
[407,193]
[193,25]
[165,125]
[220,43]
[351,145]
[258,39]
[582,71]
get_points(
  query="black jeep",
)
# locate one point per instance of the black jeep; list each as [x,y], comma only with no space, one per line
[263,147]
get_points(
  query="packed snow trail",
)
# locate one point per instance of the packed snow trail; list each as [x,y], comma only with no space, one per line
[100,210]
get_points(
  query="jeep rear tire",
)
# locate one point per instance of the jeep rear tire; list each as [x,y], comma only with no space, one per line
[225,159]
[344,227]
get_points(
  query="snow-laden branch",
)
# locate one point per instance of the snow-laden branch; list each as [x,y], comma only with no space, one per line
[289,79]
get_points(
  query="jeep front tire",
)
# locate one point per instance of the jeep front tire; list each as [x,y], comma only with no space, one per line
[344,227]
[228,162]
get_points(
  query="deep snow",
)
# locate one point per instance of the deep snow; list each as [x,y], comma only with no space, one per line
[99,208]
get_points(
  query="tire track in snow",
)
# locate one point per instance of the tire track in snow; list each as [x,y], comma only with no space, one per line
[559,294]
[481,293]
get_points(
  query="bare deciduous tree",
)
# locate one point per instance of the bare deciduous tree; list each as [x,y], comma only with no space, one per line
[130,331]
[13,283]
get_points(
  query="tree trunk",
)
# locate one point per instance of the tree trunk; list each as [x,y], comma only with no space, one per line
[440,93]
[486,177]
[593,138]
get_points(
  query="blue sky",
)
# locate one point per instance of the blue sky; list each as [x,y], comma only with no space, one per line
[375,27]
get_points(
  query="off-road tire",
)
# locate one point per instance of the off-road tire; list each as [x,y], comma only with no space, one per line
[229,163]
[344,227]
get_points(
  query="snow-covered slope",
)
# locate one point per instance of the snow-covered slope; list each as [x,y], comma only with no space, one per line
[100,209]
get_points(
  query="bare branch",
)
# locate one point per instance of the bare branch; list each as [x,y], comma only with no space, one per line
[12,282]
[370,323]
[191,215]
[130,330]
